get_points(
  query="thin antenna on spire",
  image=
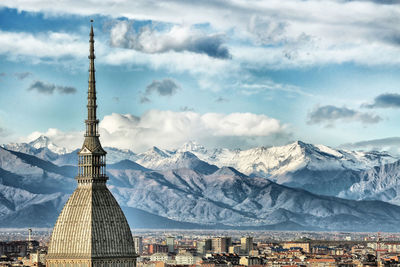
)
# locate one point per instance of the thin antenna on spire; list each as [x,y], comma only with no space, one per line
[91,122]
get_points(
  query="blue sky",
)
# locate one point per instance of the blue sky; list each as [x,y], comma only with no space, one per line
[231,74]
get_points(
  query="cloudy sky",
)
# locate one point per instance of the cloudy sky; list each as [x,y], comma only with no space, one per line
[224,73]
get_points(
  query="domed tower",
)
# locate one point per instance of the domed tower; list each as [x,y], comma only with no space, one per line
[91,230]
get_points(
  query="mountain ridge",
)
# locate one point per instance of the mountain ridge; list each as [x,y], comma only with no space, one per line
[185,190]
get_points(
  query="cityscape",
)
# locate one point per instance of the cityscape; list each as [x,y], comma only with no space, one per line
[215,134]
[226,248]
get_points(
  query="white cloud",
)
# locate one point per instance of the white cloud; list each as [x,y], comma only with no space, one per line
[168,129]
[173,62]
[178,38]
[42,47]
[68,49]
[251,88]
[298,33]
[262,34]
[339,25]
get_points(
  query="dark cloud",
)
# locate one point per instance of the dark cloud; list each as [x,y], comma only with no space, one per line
[66,89]
[49,88]
[22,75]
[385,101]
[186,108]
[166,87]
[221,99]
[149,40]
[144,99]
[329,114]
[212,45]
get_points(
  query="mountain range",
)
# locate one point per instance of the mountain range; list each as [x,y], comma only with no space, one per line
[297,186]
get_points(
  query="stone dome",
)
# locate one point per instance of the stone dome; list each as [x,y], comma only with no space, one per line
[91,225]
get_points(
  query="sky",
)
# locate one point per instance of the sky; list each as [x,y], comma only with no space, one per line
[234,74]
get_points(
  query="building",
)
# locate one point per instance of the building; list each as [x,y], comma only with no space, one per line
[160,257]
[236,249]
[246,244]
[91,230]
[204,246]
[184,259]
[138,242]
[321,262]
[254,253]
[303,245]
[17,248]
[213,263]
[156,248]
[250,261]
[221,259]
[221,244]
[170,240]
[151,264]
[38,258]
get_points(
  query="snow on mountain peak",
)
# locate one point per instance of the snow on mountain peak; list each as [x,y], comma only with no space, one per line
[157,152]
[278,160]
[45,142]
[192,146]
[260,161]
[40,142]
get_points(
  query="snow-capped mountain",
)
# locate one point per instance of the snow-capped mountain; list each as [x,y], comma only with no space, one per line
[45,149]
[32,192]
[44,142]
[381,182]
[33,174]
[229,197]
[163,160]
[266,162]
[43,153]
[21,208]
[275,161]
[116,155]
[153,156]
[41,147]
[316,168]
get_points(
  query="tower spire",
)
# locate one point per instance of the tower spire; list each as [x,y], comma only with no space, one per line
[91,122]
[92,157]
[91,230]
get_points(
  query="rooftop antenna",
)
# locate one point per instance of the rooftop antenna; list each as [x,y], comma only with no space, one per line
[29,234]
